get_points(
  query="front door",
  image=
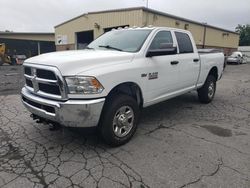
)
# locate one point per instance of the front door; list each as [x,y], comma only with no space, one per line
[163,73]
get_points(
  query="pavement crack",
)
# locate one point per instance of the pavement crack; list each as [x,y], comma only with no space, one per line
[237,171]
[160,126]
[205,175]
[36,173]
[210,141]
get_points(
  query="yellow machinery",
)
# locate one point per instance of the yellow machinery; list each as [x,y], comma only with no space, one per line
[4,58]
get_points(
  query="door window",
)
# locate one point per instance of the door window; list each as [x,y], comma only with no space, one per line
[162,40]
[184,43]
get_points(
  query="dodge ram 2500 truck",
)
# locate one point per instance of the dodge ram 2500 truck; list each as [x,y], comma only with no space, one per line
[124,70]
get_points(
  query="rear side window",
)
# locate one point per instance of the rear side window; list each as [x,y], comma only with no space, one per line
[184,43]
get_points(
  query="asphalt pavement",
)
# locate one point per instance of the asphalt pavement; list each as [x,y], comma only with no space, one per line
[179,143]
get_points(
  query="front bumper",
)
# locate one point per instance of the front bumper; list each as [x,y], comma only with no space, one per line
[70,113]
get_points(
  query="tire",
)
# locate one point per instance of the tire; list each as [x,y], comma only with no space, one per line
[207,92]
[120,112]
[1,62]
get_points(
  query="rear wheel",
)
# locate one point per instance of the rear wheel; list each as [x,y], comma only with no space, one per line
[207,92]
[119,119]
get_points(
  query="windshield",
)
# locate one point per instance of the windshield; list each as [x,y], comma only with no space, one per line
[236,54]
[121,40]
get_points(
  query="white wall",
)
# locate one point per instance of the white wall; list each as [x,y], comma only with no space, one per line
[245,50]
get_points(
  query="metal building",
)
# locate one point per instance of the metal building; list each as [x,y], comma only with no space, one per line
[245,50]
[79,31]
[28,44]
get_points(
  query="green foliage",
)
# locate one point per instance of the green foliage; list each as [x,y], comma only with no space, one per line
[244,31]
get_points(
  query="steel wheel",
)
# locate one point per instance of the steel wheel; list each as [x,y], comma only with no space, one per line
[211,90]
[119,119]
[123,121]
[207,91]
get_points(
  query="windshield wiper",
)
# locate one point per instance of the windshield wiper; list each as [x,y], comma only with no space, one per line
[89,48]
[110,47]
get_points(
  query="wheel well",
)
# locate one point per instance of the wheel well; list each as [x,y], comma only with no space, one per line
[214,72]
[128,88]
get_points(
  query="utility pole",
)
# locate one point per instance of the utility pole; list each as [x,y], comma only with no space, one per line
[204,35]
[38,48]
[147,18]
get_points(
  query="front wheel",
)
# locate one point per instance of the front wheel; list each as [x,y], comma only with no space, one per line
[207,92]
[119,119]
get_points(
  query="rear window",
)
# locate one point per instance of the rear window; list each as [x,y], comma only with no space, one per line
[184,43]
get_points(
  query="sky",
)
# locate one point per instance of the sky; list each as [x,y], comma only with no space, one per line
[43,15]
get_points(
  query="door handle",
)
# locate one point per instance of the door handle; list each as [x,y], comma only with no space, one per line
[174,62]
[196,60]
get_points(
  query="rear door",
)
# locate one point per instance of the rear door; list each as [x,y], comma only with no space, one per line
[189,62]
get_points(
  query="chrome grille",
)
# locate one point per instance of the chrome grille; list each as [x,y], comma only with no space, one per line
[44,81]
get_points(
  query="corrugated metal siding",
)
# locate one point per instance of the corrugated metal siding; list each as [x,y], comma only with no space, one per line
[244,48]
[219,38]
[162,21]
[214,37]
[105,20]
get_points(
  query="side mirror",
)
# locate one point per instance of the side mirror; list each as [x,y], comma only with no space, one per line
[159,52]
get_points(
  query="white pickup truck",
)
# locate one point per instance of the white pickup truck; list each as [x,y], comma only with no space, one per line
[108,83]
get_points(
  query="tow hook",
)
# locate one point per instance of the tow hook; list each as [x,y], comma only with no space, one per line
[53,126]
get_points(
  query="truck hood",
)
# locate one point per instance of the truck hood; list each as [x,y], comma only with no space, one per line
[79,61]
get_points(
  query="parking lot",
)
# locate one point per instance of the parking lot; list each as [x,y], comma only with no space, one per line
[179,143]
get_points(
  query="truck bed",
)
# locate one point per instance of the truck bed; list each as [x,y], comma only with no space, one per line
[208,51]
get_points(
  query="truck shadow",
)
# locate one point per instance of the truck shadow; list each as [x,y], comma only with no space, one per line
[169,107]
[151,116]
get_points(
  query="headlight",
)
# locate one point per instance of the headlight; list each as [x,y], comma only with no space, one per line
[83,85]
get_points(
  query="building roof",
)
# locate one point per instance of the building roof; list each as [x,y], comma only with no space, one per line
[33,36]
[24,33]
[151,11]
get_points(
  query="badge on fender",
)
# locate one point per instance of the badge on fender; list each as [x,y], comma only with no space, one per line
[153,75]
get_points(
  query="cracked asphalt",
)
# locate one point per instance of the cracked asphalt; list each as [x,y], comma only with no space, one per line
[179,143]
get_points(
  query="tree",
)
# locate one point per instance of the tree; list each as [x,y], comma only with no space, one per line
[244,31]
